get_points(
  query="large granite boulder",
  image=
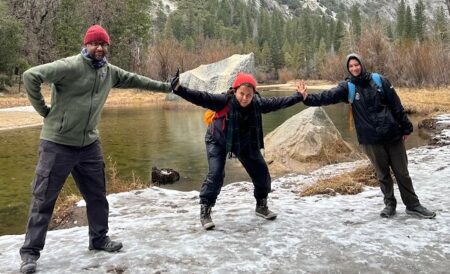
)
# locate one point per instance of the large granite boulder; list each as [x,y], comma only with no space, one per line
[216,77]
[306,141]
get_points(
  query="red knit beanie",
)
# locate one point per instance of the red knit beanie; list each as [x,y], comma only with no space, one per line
[244,78]
[96,33]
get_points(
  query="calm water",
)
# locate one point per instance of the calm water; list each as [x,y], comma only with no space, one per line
[137,139]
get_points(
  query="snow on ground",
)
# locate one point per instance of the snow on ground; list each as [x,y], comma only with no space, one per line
[161,232]
[18,109]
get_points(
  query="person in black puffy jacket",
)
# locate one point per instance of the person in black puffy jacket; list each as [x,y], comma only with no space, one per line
[382,127]
[236,131]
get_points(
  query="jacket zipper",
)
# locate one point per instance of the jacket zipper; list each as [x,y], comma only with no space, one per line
[90,107]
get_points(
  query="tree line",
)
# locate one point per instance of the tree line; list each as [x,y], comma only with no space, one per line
[413,50]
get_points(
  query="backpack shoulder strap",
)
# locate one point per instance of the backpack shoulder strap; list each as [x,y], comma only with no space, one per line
[377,80]
[351,92]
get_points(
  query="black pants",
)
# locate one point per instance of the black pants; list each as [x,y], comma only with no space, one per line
[392,155]
[55,164]
[251,159]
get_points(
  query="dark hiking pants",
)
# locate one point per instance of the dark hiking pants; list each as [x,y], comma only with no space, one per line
[55,164]
[383,156]
[251,159]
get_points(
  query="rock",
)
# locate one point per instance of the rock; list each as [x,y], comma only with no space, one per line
[216,77]
[164,176]
[306,141]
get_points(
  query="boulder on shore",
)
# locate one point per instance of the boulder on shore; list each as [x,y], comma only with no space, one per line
[306,141]
[216,77]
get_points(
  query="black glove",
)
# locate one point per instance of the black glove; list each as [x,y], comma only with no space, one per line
[175,80]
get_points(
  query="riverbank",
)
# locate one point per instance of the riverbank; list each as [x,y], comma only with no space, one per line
[425,101]
[16,111]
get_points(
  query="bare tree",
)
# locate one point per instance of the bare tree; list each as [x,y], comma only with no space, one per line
[37,17]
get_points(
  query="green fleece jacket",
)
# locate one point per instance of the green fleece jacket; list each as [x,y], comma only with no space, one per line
[79,92]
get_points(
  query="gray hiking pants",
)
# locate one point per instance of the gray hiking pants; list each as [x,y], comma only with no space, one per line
[55,164]
[392,155]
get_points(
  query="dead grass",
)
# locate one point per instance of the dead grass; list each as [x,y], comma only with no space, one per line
[425,100]
[64,205]
[117,97]
[349,183]
[117,184]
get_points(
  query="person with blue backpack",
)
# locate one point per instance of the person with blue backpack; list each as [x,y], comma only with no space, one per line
[235,130]
[382,127]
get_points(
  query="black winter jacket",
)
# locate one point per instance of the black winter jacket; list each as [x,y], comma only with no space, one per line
[379,116]
[218,132]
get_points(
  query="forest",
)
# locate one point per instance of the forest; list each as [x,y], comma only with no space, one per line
[150,38]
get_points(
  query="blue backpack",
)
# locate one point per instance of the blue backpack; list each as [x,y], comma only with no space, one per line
[376,78]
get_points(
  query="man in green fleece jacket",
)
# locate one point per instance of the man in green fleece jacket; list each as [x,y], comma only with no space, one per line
[70,141]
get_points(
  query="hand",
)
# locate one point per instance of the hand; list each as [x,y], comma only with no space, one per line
[405,137]
[301,89]
[175,80]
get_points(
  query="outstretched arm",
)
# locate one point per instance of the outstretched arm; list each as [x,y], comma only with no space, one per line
[200,98]
[328,97]
[126,79]
[276,103]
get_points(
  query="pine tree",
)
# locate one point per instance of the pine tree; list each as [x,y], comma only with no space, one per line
[420,20]
[224,13]
[355,22]
[243,28]
[338,35]
[68,28]
[264,57]
[409,25]
[131,34]
[264,28]
[10,44]
[321,55]
[401,14]
[441,27]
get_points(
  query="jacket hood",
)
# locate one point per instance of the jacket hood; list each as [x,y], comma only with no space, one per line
[364,74]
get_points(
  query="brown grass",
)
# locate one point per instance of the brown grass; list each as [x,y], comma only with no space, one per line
[349,183]
[117,97]
[65,203]
[425,100]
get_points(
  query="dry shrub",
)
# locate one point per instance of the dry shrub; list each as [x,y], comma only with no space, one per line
[375,49]
[344,184]
[65,203]
[167,55]
[333,153]
[116,184]
[285,75]
[404,63]
[334,68]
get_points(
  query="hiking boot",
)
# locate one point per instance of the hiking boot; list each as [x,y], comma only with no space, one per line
[28,265]
[205,217]
[262,210]
[108,246]
[421,211]
[388,212]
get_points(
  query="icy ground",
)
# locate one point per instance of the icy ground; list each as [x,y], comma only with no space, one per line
[321,234]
